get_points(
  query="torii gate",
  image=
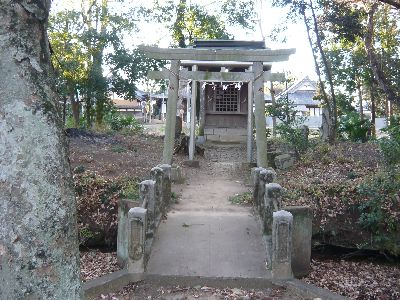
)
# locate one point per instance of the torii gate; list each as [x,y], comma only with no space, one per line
[256,76]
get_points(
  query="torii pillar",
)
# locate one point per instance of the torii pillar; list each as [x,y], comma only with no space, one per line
[173,90]
[259,114]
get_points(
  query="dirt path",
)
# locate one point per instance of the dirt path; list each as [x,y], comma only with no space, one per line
[205,234]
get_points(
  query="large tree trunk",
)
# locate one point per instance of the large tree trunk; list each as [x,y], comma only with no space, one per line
[39,256]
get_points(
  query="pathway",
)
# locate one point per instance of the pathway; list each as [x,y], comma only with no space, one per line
[205,234]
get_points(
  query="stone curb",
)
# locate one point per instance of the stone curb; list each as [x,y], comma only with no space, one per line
[117,280]
[215,282]
[109,283]
[308,290]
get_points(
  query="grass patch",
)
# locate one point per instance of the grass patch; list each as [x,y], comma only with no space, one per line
[245,198]
[118,149]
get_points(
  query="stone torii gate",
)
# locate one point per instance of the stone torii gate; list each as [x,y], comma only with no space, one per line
[255,76]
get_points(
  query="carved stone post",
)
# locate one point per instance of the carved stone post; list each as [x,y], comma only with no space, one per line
[282,228]
[157,174]
[147,193]
[255,175]
[136,239]
[166,184]
[261,177]
[266,176]
[272,203]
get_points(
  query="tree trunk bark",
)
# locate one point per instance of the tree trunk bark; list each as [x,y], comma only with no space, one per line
[101,97]
[376,69]
[178,25]
[326,127]
[272,90]
[39,256]
[360,101]
[333,107]
[373,110]
[75,110]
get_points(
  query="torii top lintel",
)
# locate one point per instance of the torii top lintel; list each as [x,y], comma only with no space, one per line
[248,55]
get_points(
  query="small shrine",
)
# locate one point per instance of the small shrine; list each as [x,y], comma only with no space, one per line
[227,90]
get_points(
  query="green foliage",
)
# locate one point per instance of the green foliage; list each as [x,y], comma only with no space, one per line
[245,198]
[390,146]
[85,42]
[118,149]
[378,210]
[290,127]
[130,189]
[79,169]
[174,197]
[240,12]
[118,122]
[351,126]
[187,22]
[85,234]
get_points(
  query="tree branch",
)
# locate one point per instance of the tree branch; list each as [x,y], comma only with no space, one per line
[394,3]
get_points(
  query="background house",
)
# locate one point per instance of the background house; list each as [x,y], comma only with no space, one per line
[130,107]
[301,93]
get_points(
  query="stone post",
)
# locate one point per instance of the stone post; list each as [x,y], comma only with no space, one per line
[282,228]
[147,193]
[136,239]
[124,206]
[157,174]
[171,112]
[302,234]
[259,114]
[266,176]
[255,175]
[177,175]
[272,203]
[261,177]
[166,183]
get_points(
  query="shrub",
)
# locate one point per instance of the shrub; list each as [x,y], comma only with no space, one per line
[351,126]
[390,146]
[118,122]
[290,127]
[378,210]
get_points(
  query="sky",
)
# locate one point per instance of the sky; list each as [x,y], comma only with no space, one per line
[299,65]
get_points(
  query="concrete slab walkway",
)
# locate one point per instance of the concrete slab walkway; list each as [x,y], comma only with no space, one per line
[205,234]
